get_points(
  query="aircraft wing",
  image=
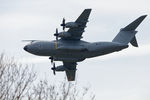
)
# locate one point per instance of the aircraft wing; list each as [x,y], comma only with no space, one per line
[76,32]
[70,70]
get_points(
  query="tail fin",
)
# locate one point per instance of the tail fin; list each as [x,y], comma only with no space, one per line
[127,34]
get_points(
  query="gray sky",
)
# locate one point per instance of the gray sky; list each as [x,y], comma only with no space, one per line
[123,75]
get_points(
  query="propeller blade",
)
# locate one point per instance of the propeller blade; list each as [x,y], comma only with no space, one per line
[56,30]
[63,27]
[52,59]
[54,66]
[56,34]
[54,69]
[57,38]
[54,72]
[63,23]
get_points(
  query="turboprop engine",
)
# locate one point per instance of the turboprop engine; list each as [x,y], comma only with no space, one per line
[64,34]
[58,68]
[71,25]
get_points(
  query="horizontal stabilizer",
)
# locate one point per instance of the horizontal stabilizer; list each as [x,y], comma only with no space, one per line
[134,24]
[134,42]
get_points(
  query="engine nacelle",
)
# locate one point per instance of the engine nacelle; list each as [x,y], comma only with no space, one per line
[60,68]
[71,25]
[64,34]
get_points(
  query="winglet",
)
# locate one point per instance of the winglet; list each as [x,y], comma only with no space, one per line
[132,26]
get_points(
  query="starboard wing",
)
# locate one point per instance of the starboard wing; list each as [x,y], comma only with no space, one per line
[76,32]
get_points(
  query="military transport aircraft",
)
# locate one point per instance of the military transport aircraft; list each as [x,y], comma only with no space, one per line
[70,49]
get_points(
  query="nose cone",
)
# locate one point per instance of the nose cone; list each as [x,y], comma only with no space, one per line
[26,48]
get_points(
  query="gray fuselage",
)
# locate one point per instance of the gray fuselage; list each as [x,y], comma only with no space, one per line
[71,50]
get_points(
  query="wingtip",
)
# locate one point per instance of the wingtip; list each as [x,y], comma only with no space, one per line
[88,9]
[144,16]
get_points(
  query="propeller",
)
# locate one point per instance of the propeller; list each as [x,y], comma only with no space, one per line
[52,59]
[63,23]
[56,34]
[54,69]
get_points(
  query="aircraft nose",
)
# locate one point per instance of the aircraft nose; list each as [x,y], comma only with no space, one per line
[26,48]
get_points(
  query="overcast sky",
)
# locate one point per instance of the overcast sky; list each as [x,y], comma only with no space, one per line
[124,75]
